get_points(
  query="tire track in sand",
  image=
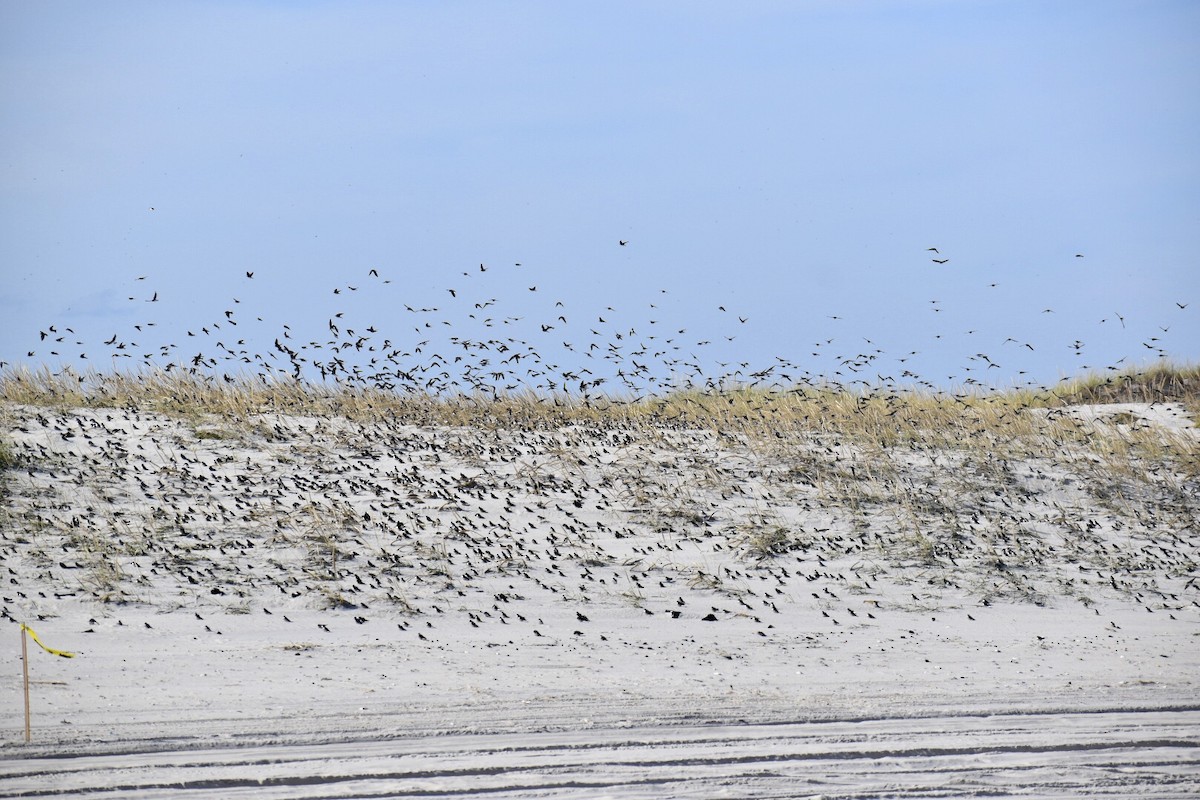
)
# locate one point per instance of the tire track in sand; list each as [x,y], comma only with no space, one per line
[1111,753]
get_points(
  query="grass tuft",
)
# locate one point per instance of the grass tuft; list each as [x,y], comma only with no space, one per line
[8,457]
[884,417]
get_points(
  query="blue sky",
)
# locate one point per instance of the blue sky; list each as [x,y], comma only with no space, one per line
[791,162]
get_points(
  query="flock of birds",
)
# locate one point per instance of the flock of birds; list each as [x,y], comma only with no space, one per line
[560,533]
[550,530]
[468,345]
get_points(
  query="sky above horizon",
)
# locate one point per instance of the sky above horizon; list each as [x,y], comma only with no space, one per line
[778,171]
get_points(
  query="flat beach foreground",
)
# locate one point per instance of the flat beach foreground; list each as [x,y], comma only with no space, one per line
[318,605]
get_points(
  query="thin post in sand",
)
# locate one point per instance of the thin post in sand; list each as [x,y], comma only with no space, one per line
[25,670]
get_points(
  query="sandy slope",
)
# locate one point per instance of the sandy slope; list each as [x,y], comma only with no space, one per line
[589,613]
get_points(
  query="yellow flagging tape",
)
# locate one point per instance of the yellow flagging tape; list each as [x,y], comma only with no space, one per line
[49,650]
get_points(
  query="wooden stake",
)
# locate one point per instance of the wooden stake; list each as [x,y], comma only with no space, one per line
[25,669]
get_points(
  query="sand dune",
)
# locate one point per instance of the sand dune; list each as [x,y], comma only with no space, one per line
[288,605]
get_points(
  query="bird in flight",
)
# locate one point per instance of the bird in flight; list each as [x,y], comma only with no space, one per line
[622,242]
[940,260]
[249,274]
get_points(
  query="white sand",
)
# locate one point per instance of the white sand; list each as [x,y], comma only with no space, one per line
[1042,638]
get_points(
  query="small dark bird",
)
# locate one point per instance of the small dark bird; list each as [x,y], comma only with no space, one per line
[1182,305]
[580,617]
[622,242]
[940,260]
[249,274]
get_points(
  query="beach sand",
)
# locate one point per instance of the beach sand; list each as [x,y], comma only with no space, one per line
[292,606]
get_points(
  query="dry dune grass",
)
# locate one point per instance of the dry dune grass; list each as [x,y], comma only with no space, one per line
[978,425]
[906,500]
[1154,384]
[189,393]
[887,415]
[913,453]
